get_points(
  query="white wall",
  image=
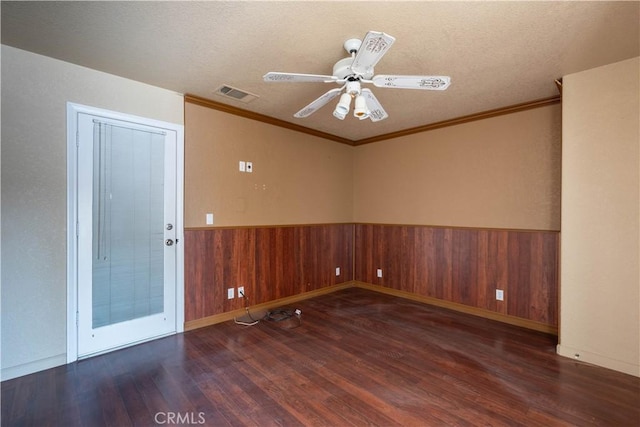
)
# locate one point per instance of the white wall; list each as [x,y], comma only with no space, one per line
[35,90]
[600,253]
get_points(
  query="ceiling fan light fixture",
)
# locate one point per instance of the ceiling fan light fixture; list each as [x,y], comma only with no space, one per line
[353,88]
[360,109]
[342,109]
[339,115]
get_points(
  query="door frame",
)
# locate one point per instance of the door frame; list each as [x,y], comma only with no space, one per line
[73,110]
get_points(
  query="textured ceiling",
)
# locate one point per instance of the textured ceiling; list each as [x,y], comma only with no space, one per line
[497,53]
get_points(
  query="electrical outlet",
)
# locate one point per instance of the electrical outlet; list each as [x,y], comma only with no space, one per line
[379,272]
[499,295]
[240,291]
[230,293]
[337,271]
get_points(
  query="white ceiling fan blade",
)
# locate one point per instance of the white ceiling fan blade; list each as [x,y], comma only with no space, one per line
[412,82]
[373,48]
[318,103]
[376,112]
[297,78]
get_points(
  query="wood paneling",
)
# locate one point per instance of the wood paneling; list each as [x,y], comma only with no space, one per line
[459,265]
[270,262]
[465,266]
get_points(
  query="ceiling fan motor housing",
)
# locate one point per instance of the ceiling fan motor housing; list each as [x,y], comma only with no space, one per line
[342,70]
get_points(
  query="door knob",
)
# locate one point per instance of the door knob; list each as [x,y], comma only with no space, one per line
[168,242]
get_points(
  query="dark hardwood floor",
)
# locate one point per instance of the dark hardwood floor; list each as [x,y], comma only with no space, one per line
[358,358]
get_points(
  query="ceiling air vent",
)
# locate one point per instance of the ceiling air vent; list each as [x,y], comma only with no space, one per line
[237,94]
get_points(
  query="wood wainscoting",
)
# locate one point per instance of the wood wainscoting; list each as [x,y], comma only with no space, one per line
[457,268]
[272,263]
[465,266]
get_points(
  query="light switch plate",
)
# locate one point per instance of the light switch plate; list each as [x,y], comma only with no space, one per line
[209,219]
[242,166]
[249,167]
[230,293]
[379,272]
[337,271]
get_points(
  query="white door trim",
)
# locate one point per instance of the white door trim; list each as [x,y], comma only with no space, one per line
[72,215]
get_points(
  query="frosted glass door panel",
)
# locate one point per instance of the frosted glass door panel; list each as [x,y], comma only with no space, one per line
[126,231]
[128,224]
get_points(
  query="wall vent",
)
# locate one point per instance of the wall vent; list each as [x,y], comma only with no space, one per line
[235,93]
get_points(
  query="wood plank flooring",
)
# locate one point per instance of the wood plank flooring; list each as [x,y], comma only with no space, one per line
[358,358]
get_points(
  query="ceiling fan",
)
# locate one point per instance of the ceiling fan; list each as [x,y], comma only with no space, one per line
[354,70]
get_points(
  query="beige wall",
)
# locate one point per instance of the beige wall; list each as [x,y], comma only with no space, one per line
[502,172]
[296,179]
[600,255]
[35,90]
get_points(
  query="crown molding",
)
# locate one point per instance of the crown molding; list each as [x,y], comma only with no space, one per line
[451,122]
[465,119]
[192,99]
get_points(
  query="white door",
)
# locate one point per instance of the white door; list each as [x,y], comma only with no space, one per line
[126,233]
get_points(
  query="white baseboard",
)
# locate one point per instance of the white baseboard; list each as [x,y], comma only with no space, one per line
[31,367]
[599,360]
